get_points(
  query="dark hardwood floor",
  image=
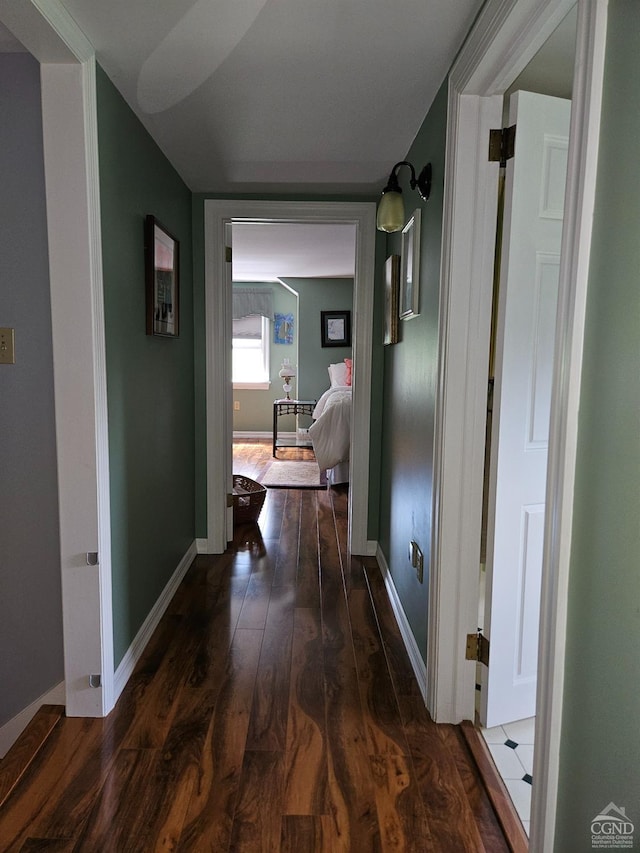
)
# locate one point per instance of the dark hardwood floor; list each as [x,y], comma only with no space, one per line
[274,709]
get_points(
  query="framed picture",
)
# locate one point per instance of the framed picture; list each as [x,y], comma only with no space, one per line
[161,251]
[391,288]
[410,268]
[336,328]
[283,328]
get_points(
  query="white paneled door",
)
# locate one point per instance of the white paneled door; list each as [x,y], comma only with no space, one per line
[525,333]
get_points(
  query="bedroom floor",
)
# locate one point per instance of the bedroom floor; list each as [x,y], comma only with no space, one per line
[252,457]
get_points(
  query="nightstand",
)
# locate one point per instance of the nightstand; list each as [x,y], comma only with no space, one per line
[290,407]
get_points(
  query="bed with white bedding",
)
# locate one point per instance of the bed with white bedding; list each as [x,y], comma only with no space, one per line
[331,433]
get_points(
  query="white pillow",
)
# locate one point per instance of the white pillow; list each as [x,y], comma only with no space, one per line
[337,374]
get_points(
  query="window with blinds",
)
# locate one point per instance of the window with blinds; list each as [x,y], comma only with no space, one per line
[251,352]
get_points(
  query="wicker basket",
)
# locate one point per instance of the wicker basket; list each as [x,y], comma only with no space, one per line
[248,499]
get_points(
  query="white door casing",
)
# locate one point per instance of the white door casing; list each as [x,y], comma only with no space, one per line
[69,114]
[525,335]
[218,344]
[505,37]
[228,357]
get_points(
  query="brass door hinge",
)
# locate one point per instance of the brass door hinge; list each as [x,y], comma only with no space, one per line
[502,144]
[229,500]
[478,648]
[228,254]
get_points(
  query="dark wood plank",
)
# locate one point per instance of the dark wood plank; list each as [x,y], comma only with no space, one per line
[400,668]
[56,793]
[252,722]
[401,815]
[383,724]
[450,816]
[268,723]
[253,613]
[157,704]
[307,833]
[351,792]
[308,576]
[50,845]
[257,820]
[306,753]
[22,753]
[510,823]
[118,821]
[209,819]
[287,560]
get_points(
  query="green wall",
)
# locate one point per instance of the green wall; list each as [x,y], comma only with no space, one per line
[311,296]
[410,377]
[600,746]
[150,380]
[256,406]
[316,295]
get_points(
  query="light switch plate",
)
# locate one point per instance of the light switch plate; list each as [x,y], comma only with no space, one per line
[7,346]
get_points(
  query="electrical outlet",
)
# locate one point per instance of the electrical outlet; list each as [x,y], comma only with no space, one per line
[7,346]
[417,560]
[236,405]
[419,565]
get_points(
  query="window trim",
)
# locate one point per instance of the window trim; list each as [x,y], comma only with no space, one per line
[258,384]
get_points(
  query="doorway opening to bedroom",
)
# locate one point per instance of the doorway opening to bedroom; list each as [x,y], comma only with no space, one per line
[292,289]
[357,220]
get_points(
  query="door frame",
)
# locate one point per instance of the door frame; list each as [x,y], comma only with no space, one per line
[216,213]
[70,138]
[507,34]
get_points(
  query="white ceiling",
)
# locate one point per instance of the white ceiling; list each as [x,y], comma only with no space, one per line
[289,96]
[265,252]
[278,95]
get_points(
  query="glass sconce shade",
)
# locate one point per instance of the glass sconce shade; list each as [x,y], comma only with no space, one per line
[390,212]
[391,207]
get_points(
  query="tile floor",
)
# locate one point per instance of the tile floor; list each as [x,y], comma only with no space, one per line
[511,746]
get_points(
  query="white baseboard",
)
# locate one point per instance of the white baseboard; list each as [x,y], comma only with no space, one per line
[133,653]
[11,730]
[240,434]
[202,546]
[417,663]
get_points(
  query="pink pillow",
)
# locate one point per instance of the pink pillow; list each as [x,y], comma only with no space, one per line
[348,362]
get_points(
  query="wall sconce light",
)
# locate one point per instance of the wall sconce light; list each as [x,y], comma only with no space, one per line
[287,373]
[391,207]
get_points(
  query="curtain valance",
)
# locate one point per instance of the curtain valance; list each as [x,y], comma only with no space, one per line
[252,300]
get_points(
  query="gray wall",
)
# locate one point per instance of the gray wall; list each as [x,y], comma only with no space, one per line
[600,747]
[31,659]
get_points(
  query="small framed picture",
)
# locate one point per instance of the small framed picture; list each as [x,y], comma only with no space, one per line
[336,328]
[162,285]
[410,268]
[391,288]
[283,328]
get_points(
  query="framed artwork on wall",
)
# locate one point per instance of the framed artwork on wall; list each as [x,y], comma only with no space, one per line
[391,288]
[283,328]
[336,328]
[162,279]
[410,268]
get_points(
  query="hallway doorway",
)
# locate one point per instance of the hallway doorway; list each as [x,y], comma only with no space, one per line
[218,215]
